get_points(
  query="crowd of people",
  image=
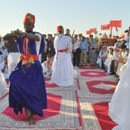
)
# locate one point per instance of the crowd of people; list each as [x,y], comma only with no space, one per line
[44,56]
[113,58]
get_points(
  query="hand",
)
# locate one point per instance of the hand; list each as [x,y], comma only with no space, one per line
[21,35]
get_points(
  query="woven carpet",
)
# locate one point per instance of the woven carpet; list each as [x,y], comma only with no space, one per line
[83,106]
[63,113]
[101,87]
[91,73]
[101,111]
[95,96]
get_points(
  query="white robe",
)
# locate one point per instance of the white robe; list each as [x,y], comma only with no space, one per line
[46,71]
[12,59]
[119,107]
[108,62]
[3,83]
[99,59]
[62,68]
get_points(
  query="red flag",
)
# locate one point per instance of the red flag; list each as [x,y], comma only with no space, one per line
[93,30]
[88,32]
[116,23]
[105,27]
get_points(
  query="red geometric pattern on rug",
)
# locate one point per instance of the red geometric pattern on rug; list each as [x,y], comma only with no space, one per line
[50,85]
[101,111]
[78,109]
[91,87]
[94,74]
[54,104]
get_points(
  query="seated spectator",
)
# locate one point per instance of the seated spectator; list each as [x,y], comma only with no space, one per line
[114,62]
[121,58]
[123,67]
[47,67]
[102,56]
[109,59]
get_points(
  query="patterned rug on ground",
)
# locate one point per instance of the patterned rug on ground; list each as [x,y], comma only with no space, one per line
[101,111]
[93,74]
[63,113]
[49,84]
[99,88]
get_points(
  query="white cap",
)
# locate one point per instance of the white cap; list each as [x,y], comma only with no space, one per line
[111,47]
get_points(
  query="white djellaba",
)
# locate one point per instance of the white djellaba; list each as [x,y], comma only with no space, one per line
[62,68]
[119,106]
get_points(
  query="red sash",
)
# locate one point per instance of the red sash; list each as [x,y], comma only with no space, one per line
[26,57]
[62,50]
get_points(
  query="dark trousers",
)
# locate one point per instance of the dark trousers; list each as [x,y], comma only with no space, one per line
[76,57]
[114,66]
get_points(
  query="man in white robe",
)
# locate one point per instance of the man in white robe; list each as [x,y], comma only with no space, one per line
[119,106]
[62,68]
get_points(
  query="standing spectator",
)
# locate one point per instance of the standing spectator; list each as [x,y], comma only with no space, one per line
[67,33]
[84,50]
[50,46]
[27,86]
[76,51]
[93,46]
[50,49]
[62,68]
[44,54]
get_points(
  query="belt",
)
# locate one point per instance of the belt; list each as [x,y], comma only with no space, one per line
[62,50]
[28,58]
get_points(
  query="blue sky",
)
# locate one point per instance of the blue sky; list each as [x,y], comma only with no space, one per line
[78,15]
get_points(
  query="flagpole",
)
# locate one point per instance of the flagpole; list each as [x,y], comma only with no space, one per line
[111,32]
